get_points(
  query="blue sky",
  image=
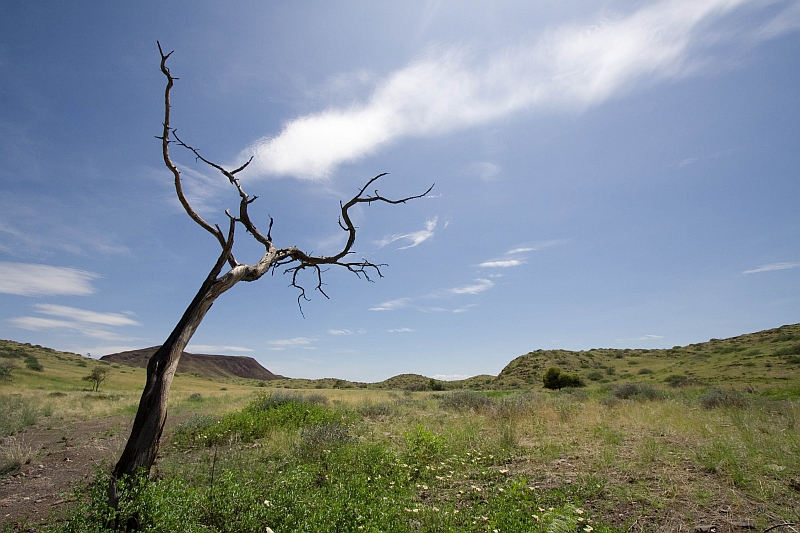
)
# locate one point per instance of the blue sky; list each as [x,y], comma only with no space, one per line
[608,174]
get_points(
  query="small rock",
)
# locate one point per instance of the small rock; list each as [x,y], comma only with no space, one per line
[745,524]
[705,528]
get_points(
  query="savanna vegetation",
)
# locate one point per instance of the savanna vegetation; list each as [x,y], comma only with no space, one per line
[688,443]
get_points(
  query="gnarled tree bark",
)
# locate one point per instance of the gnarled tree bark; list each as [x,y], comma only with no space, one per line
[142,446]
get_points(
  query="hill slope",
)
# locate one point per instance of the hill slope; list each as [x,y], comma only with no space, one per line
[758,358]
[203,365]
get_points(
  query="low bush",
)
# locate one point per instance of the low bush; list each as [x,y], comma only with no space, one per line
[643,371]
[465,400]
[265,402]
[378,410]
[33,364]
[5,370]
[722,398]
[321,438]
[423,446]
[195,397]
[637,391]
[594,376]
[677,380]
[555,379]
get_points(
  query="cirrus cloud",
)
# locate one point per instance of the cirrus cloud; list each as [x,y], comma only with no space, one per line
[26,279]
[572,68]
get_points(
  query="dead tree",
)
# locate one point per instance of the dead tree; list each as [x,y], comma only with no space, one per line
[142,446]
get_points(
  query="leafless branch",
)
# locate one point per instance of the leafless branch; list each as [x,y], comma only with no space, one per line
[292,257]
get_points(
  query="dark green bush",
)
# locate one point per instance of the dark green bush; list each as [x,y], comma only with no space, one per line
[555,379]
[643,371]
[722,398]
[636,391]
[32,363]
[594,376]
[195,397]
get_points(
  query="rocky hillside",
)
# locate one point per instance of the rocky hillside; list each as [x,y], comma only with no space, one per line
[203,365]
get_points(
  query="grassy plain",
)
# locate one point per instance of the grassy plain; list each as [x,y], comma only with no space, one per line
[719,445]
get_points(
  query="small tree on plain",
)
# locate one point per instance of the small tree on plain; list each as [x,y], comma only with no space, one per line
[97,376]
[142,446]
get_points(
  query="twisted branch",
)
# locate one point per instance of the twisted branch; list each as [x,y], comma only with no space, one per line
[294,259]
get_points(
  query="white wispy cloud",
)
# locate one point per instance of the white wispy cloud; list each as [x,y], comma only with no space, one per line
[296,342]
[340,332]
[478,287]
[35,323]
[88,323]
[572,67]
[26,279]
[771,267]
[642,338]
[82,315]
[501,263]
[464,308]
[484,170]
[392,305]
[414,238]
[400,330]
[211,348]
[514,258]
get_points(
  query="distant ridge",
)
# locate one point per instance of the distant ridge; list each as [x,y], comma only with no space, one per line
[203,365]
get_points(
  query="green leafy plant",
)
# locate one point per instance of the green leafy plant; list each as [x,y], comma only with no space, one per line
[555,379]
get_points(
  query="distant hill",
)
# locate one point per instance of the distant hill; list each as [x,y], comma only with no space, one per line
[203,365]
[765,357]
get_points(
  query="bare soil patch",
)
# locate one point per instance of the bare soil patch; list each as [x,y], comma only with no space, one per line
[60,459]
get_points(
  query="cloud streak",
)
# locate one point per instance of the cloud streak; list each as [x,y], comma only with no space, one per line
[211,348]
[414,238]
[771,267]
[569,68]
[26,279]
[296,342]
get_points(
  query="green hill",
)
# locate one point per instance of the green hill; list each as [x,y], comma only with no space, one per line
[756,359]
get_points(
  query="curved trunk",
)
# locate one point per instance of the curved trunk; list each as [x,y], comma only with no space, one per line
[142,446]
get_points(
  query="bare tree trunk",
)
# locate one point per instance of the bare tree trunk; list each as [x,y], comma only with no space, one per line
[142,446]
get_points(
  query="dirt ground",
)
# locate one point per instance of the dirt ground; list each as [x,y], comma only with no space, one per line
[61,459]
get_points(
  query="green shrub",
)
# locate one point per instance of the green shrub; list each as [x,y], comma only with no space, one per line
[594,376]
[32,363]
[195,397]
[5,369]
[722,398]
[422,446]
[643,371]
[321,438]
[636,391]
[265,402]
[677,380]
[465,400]
[554,379]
